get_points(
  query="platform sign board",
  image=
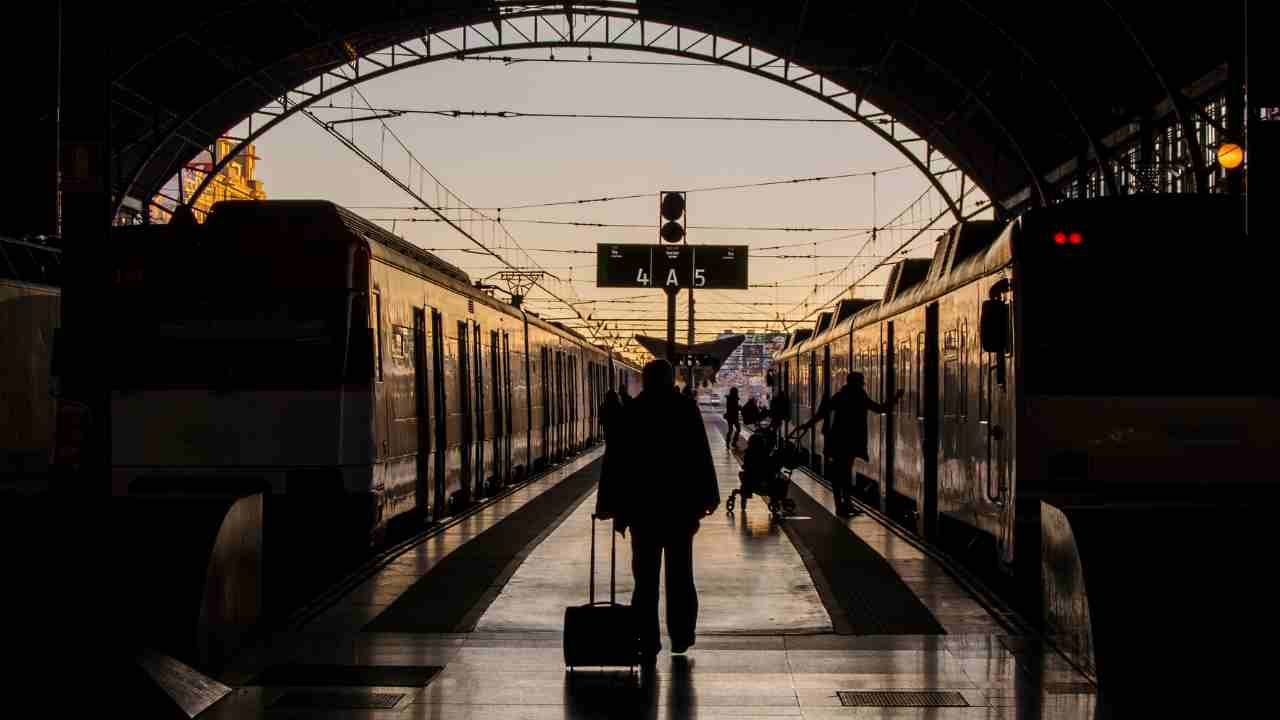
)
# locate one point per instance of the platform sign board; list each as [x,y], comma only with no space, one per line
[712,267]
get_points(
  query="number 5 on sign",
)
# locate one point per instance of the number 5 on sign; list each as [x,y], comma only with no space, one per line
[641,277]
[699,277]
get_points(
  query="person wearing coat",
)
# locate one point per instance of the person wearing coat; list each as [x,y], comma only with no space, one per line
[731,412]
[844,435]
[660,483]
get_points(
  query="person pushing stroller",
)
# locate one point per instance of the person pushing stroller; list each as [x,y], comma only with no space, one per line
[758,468]
[763,466]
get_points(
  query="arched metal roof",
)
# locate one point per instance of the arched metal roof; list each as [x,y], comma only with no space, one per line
[1012,94]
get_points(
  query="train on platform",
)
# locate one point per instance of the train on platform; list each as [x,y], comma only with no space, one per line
[30,293]
[1094,353]
[356,378]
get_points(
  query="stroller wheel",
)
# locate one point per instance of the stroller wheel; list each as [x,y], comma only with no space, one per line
[728,504]
[790,505]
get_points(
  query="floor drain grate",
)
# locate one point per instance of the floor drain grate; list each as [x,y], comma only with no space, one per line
[901,698]
[336,700]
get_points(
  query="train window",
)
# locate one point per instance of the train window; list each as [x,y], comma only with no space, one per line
[964,367]
[951,371]
[903,370]
[377,334]
[984,380]
[919,370]
[401,344]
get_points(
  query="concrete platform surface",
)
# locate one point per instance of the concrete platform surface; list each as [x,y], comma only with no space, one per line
[765,646]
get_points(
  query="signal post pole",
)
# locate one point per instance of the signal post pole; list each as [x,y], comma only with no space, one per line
[671,324]
[689,380]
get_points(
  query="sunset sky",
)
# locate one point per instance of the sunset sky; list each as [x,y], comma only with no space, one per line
[496,162]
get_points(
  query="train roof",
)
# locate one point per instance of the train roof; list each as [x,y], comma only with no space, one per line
[966,251]
[30,262]
[338,217]
[386,246]
[978,248]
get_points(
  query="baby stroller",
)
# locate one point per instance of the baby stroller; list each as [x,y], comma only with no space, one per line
[766,471]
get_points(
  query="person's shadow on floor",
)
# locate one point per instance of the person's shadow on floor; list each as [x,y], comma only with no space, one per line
[607,694]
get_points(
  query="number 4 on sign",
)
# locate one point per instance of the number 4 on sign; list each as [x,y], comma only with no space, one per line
[641,277]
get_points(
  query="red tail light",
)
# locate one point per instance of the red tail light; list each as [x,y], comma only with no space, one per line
[1060,238]
[70,433]
[1076,238]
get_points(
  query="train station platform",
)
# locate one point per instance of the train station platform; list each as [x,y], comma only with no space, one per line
[817,617]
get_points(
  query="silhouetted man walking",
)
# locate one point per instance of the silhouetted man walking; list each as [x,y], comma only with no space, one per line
[663,483]
[844,436]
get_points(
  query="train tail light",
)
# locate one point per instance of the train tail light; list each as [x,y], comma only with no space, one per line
[1063,237]
[71,431]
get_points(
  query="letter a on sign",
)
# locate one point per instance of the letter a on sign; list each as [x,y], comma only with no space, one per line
[672,279]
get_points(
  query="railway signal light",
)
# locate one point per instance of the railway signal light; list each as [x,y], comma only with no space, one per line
[671,215]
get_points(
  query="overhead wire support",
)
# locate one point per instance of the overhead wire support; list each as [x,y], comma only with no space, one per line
[509,114]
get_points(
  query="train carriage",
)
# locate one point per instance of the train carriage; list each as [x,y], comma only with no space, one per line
[325,357]
[1061,358]
[30,294]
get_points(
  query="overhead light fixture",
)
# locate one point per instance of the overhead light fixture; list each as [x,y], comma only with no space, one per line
[1230,155]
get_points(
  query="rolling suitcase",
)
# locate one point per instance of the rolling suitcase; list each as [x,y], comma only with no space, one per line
[601,633]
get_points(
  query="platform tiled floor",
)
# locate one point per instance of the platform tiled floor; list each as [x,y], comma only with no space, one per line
[519,673]
[750,578]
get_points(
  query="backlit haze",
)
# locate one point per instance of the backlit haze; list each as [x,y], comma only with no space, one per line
[495,162]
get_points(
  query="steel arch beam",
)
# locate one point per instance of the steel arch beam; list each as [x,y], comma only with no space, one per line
[597,33]
[1176,98]
[1101,153]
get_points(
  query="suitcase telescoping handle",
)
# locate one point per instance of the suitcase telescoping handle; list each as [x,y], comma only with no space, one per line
[613,563]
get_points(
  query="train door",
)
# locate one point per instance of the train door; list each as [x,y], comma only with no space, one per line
[464,407]
[441,432]
[482,436]
[889,373]
[785,382]
[575,400]
[927,521]
[557,417]
[509,424]
[996,415]
[381,411]
[425,496]
[820,443]
[545,356]
[811,390]
[499,437]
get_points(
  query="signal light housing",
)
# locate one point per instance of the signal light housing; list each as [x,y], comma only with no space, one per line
[671,216]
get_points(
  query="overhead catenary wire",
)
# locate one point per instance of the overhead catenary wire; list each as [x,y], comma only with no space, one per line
[651,193]
[640,226]
[391,112]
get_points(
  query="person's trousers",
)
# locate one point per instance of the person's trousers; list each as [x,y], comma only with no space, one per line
[648,546]
[839,470]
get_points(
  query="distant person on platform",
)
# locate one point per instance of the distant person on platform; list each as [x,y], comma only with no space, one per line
[662,485]
[779,409]
[731,412]
[688,390]
[751,411]
[610,411]
[844,435]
